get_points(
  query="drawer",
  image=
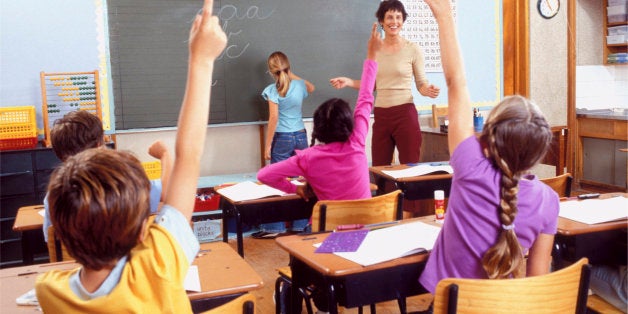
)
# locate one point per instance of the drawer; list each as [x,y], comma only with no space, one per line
[10,205]
[43,177]
[16,162]
[46,159]
[6,230]
[11,253]
[17,183]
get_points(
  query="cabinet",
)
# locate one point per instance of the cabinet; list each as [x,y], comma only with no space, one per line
[612,48]
[24,176]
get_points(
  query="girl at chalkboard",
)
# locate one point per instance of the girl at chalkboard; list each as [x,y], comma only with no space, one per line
[286,131]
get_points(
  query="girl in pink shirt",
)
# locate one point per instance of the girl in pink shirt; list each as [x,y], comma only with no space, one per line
[336,168]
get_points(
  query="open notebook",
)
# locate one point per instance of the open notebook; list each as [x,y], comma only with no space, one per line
[389,243]
[593,211]
[248,190]
[419,170]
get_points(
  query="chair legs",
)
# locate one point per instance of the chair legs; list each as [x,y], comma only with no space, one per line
[283,295]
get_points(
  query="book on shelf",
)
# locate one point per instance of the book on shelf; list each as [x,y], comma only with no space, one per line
[249,190]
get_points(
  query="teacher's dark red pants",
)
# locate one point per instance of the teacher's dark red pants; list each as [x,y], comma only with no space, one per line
[396,126]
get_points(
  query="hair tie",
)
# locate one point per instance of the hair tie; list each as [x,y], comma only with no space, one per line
[509,227]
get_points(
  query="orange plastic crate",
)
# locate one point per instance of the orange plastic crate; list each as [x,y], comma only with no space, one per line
[18,127]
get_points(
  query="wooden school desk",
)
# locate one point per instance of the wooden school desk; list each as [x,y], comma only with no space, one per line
[223,274]
[28,221]
[263,210]
[576,239]
[413,188]
[347,283]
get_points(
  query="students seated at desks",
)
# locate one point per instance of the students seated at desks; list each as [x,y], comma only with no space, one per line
[80,130]
[336,168]
[497,212]
[101,198]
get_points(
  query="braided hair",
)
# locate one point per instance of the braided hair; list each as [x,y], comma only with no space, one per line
[516,137]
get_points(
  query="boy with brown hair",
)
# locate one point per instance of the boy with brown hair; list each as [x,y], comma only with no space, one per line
[80,130]
[130,263]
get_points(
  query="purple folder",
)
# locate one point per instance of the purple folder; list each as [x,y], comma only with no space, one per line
[343,241]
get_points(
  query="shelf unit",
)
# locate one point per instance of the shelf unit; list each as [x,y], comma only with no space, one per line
[612,48]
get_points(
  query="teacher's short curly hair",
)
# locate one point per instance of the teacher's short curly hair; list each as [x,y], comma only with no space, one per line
[390,5]
[333,122]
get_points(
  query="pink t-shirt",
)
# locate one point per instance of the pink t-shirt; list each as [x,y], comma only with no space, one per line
[335,171]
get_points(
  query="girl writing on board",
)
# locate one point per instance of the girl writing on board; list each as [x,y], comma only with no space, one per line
[497,211]
[286,131]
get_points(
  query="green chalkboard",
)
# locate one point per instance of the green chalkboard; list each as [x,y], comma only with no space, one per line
[148,54]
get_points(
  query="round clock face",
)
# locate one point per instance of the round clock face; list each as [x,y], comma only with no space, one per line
[548,8]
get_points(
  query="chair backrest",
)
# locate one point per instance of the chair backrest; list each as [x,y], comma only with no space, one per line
[562,291]
[326,215]
[561,184]
[244,304]
[56,250]
[438,112]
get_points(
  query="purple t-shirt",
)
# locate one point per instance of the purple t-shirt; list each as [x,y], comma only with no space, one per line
[338,170]
[471,219]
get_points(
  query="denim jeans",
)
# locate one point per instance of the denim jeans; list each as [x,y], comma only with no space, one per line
[283,146]
[610,283]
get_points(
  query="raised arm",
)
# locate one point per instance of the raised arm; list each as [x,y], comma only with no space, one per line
[460,114]
[159,150]
[206,42]
[308,85]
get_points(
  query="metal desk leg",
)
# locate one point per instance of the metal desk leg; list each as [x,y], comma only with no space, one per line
[239,233]
[27,250]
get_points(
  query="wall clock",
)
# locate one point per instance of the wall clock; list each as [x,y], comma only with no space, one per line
[548,8]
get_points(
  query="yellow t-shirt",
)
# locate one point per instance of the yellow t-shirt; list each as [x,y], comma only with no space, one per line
[151,282]
[395,73]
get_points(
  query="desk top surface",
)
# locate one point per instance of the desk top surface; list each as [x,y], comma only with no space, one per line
[221,272]
[568,227]
[28,218]
[378,171]
[301,247]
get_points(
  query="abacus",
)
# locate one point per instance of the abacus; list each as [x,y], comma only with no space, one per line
[65,92]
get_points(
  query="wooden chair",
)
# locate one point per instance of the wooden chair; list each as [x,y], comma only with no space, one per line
[561,184]
[56,250]
[438,112]
[596,304]
[244,304]
[327,215]
[563,291]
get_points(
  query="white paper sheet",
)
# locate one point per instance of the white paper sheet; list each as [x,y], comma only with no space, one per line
[593,211]
[249,190]
[419,170]
[389,243]
[192,282]
[42,212]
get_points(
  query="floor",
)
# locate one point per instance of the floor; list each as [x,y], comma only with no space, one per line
[265,257]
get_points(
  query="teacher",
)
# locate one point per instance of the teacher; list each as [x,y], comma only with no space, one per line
[396,118]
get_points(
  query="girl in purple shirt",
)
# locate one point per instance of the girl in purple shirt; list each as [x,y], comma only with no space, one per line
[497,212]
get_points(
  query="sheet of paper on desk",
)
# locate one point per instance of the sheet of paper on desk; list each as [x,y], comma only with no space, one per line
[192,282]
[42,212]
[249,190]
[593,211]
[389,243]
[419,170]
